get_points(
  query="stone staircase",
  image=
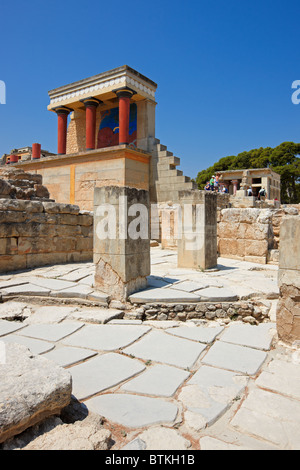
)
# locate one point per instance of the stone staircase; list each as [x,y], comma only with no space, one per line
[166,180]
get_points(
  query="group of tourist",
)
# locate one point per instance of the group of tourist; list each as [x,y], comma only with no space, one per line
[214,185]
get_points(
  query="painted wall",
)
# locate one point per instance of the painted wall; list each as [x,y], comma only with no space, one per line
[108,134]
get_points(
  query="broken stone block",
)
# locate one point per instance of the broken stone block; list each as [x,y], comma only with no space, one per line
[32,389]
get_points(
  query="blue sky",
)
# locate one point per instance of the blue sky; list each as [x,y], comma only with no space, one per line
[224,69]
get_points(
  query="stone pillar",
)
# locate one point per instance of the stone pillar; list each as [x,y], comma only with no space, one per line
[14,158]
[124,95]
[91,105]
[62,124]
[197,242]
[235,186]
[121,240]
[36,151]
[288,307]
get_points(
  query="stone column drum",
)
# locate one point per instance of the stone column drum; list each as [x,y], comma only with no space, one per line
[197,243]
[121,240]
[288,307]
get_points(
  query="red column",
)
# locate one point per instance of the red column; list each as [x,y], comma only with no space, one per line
[62,124]
[124,112]
[36,151]
[90,122]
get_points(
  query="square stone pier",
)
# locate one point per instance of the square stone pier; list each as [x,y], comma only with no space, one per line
[288,308]
[121,240]
[197,242]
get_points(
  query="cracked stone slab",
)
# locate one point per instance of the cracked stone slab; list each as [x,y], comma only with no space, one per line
[217,294]
[36,346]
[235,358]
[160,438]
[101,373]
[66,356]
[255,336]
[50,314]
[161,347]
[97,315]
[209,393]
[52,284]
[281,377]
[159,380]
[203,334]
[106,337]
[25,289]
[77,274]
[190,286]
[133,411]
[163,295]
[270,416]
[7,327]
[51,331]
[80,291]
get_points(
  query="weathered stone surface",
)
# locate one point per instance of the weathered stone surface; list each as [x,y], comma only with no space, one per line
[32,388]
[271,417]
[133,411]
[103,372]
[54,434]
[161,347]
[234,357]
[51,331]
[106,337]
[159,380]
[258,337]
[160,438]
[197,333]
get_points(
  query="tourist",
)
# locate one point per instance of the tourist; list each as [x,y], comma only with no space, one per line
[249,192]
[207,186]
[212,182]
[262,194]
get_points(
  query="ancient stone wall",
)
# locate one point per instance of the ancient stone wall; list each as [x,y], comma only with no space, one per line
[245,234]
[18,184]
[37,233]
[252,234]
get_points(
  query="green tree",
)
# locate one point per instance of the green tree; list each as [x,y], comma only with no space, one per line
[283,159]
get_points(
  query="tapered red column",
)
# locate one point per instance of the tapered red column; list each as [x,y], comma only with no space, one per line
[124,96]
[90,122]
[62,124]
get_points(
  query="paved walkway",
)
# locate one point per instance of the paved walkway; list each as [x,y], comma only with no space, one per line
[167,385]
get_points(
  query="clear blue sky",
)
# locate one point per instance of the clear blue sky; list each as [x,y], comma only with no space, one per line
[224,69]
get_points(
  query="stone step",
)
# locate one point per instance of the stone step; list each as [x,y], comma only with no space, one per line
[161,147]
[169,173]
[164,153]
[171,160]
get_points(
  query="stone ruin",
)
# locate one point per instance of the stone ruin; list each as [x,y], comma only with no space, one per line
[35,230]
[15,183]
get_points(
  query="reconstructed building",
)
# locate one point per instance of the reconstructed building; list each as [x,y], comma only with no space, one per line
[106,136]
[256,178]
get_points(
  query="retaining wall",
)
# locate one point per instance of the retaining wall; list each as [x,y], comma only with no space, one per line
[35,233]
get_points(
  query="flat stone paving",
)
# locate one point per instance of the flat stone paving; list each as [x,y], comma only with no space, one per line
[232,280]
[170,385]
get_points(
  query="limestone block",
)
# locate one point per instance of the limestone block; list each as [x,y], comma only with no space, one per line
[58,208]
[122,257]
[12,216]
[256,247]
[10,263]
[32,388]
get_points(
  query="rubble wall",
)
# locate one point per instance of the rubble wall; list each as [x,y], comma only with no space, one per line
[38,233]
